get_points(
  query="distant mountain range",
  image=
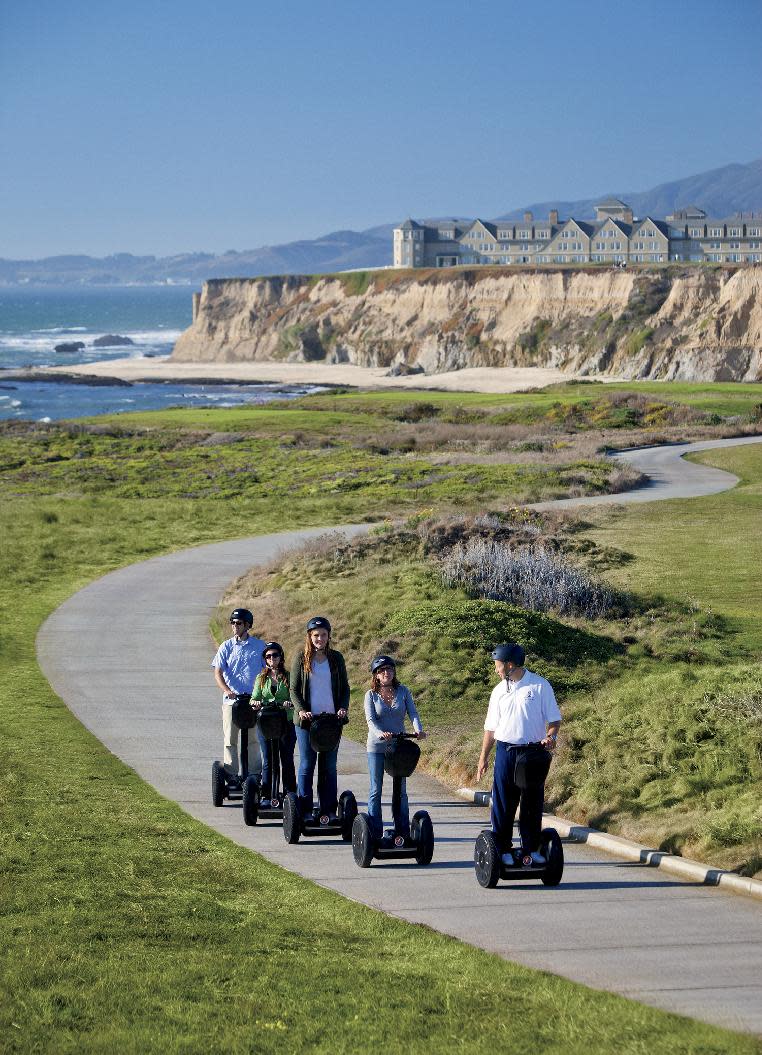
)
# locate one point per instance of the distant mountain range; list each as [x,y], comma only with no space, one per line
[720,192]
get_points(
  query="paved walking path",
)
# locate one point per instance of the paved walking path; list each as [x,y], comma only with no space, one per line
[149,696]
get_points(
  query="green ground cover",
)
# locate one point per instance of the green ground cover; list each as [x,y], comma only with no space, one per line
[125,925]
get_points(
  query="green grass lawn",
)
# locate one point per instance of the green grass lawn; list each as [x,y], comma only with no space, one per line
[707,550]
[128,927]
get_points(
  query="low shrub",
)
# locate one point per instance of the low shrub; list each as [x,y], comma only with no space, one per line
[534,578]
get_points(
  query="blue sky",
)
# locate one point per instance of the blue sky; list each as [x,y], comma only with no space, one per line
[171,126]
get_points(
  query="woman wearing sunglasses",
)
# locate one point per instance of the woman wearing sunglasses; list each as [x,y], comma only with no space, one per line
[387,704]
[272,688]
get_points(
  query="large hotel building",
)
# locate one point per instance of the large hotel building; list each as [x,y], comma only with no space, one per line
[614,236]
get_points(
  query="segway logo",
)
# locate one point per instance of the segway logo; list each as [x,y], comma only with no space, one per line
[324,818]
[275,803]
[399,840]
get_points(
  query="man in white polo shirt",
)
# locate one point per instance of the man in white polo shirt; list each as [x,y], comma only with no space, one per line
[523,720]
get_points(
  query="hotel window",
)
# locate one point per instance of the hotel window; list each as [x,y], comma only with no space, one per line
[716,232]
[734,232]
[696,232]
[735,245]
[753,232]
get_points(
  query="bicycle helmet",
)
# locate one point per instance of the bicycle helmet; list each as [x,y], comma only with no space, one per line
[244,614]
[382,661]
[319,622]
[272,646]
[510,652]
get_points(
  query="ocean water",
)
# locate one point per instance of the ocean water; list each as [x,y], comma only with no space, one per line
[34,320]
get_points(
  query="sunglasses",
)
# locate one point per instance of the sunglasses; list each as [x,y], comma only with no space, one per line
[272,655]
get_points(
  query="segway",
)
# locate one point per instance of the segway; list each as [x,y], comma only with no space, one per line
[273,723]
[490,866]
[237,789]
[325,734]
[399,762]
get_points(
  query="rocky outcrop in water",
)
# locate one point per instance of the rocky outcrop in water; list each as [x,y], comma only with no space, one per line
[676,323]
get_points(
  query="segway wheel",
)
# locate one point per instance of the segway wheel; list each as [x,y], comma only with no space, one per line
[553,850]
[218,784]
[292,828]
[250,800]
[486,860]
[347,813]
[363,843]
[422,834]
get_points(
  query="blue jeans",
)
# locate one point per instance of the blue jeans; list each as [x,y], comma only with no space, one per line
[326,781]
[399,798]
[285,748]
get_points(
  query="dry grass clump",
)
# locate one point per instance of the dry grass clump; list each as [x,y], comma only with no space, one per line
[533,578]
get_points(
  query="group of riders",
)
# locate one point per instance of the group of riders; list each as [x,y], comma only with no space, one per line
[522,721]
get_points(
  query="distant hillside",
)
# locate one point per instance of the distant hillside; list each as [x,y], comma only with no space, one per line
[721,192]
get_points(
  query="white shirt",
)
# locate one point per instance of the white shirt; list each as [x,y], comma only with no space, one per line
[519,711]
[321,693]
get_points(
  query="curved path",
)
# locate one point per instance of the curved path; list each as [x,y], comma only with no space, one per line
[150,698]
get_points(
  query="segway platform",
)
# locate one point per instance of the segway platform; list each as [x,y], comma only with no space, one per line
[315,823]
[272,722]
[490,867]
[399,763]
[419,844]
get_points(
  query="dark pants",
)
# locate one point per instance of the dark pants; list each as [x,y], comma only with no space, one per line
[285,748]
[327,781]
[507,795]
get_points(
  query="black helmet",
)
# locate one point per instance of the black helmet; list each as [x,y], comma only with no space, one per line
[382,661]
[243,614]
[510,652]
[325,732]
[318,622]
[272,646]
[244,715]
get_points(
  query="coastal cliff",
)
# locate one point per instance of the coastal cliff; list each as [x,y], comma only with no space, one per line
[677,323]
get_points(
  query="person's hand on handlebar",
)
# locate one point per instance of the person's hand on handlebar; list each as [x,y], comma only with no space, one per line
[387,736]
[421,735]
[305,716]
[341,713]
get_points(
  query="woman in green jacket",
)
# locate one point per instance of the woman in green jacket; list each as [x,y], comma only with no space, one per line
[272,687]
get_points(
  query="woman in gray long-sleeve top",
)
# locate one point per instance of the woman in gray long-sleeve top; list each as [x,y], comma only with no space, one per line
[386,705]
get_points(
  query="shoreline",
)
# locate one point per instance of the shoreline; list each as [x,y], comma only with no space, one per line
[489,380]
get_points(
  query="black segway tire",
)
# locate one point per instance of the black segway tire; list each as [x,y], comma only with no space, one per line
[553,850]
[422,834]
[347,813]
[292,826]
[219,784]
[486,860]
[250,800]
[363,843]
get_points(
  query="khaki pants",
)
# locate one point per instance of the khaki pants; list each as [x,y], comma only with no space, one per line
[230,738]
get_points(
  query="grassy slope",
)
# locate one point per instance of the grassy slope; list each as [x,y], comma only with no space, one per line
[128,927]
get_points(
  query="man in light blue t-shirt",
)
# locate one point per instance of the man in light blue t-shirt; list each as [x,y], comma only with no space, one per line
[236,664]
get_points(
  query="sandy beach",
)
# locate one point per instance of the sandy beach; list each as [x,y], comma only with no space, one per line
[477,379]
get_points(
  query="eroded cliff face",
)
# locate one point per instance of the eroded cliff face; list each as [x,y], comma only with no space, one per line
[690,323]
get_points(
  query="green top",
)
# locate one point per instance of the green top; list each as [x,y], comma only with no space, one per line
[263,692]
